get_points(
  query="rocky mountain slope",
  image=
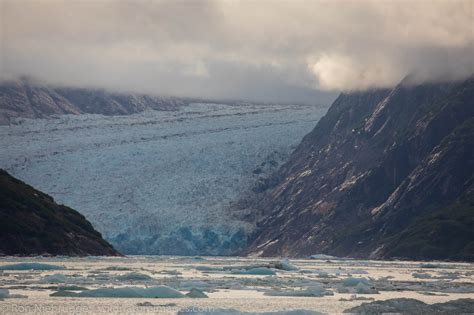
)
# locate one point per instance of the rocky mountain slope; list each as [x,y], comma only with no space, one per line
[28,99]
[386,173]
[31,223]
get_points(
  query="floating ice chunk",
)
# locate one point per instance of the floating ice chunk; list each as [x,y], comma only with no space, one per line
[126,292]
[145,304]
[323,257]
[117,268]
[55,278]
[402,305]
[195,310]
[196,293]
[317,290]
[4,293]
[199,310]
[412,306]
[421,275]
[71,288]
[354,297]
[261,271]
[198,258]
[208,268]
[432,293]
[173,272]
[428,265]
[285,265]
[134,276]
[31,266]
[356,271]
[352,282]
[363,288]
[448,275]
[187,285]
[318,273]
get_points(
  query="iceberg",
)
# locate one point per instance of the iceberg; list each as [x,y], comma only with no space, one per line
[363,288]
[125,292]
[196,294]
[313,291]
[260,271]
[285,265]
[352,282]
[31,266]
[134,276]
[4,293]
[195,310]
[412,306]
[55,278]
[323,257]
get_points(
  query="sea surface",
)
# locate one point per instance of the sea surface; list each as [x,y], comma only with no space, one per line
[220,285]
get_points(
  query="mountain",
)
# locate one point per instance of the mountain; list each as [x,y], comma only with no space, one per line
[386,173]
[31,223]
[28,99]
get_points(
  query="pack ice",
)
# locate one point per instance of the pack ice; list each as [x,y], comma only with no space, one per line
[158,182]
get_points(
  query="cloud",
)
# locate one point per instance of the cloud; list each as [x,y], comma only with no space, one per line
[292,51]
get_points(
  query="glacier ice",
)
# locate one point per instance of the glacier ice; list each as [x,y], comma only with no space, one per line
[158,182]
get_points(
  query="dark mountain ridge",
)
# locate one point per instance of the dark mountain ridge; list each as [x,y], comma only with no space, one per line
[380,169]
[31,223]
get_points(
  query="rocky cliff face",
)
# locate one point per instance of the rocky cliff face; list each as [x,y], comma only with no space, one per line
[386,173]
[31,223]
[27,99]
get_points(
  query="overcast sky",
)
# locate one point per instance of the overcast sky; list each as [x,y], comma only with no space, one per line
[283,51]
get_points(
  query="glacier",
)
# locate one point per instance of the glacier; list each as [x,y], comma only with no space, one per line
[158,182]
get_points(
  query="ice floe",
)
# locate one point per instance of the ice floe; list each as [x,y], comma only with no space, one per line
[55,278]
[314,291]
[196,294]
[261,271]
[412,306]
[324,257]
[134,276]
[31,266]
[125,292]
[202,311]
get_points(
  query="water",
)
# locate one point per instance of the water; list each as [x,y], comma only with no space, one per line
[221,280]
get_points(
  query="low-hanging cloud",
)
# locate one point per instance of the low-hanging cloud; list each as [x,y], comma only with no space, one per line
[268,50]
